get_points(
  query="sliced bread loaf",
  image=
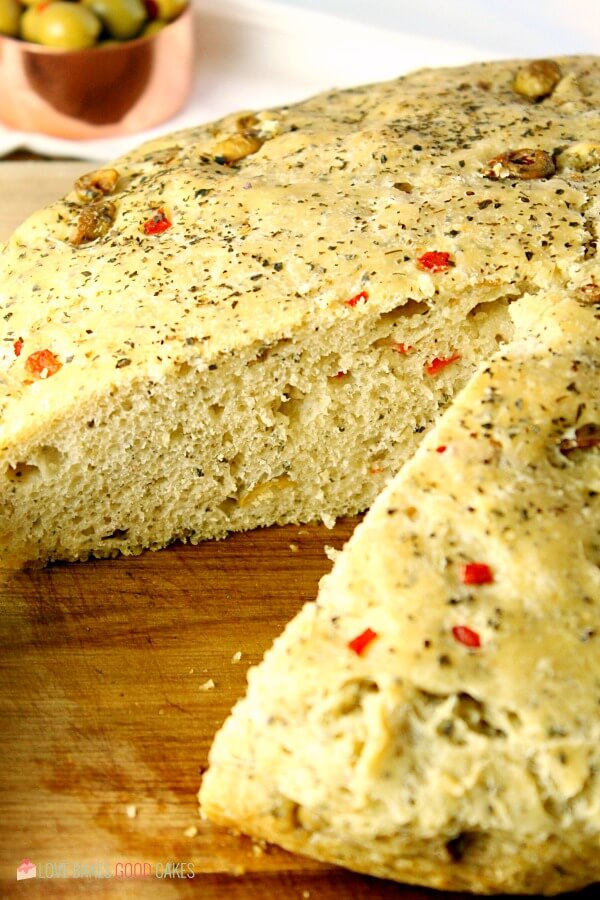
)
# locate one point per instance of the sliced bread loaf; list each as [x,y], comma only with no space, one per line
[255,321]
[435,716]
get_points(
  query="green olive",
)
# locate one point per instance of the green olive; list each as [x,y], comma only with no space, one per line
[153,27]
[66,26]
[10,14]
[170,9]
[122,19]
[30,24]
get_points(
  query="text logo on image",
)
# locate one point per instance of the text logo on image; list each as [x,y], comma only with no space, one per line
[27,869]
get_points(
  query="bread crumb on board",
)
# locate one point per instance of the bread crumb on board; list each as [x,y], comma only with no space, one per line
[259,847]
[207,685]
[331,553]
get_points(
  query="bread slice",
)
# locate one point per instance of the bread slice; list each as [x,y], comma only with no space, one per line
[435,716]
[255,321]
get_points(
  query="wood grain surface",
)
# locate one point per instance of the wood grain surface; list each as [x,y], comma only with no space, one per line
[105,719]
[27,186]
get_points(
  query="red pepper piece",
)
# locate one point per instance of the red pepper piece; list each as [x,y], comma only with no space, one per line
[157,223]
[362,641]
[441,449]
[465,635]
[42,364]
[340,374]
[402,348]
[18,346]
[476,573]
[434,261]
[438,363]
[364,295]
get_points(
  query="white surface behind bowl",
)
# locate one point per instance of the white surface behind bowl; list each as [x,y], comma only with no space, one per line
[506,27]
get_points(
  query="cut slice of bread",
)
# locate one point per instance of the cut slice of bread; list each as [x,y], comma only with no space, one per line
[435,716]
[256,321]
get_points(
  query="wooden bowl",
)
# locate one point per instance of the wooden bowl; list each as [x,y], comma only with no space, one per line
[101,92]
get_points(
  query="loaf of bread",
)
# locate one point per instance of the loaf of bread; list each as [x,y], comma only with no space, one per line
[435,716]
[256,321]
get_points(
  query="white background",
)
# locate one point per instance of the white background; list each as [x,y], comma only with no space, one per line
[507,27]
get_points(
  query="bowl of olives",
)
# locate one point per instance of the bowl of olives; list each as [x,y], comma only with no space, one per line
[85,69]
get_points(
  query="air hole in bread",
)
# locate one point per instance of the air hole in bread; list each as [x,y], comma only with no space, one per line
[117,535]
[49,456]
[459,846]
[185,369]
[592,553]
[268,349]
[514,719]
[177,436]
[44,461]
[291,392]
[216,409]
[475,716]
[23,472]
[291,402]
[352,694]
[406,310]
[488,306]
[236,463]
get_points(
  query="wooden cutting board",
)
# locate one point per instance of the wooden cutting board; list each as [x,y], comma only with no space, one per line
[27,186]
[107,709]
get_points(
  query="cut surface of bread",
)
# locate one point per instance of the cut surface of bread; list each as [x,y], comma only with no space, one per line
[434,717]
[255,321]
